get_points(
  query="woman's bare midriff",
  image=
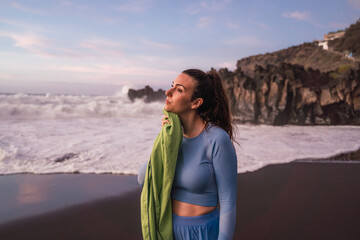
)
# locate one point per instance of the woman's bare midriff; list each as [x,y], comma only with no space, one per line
[189,210]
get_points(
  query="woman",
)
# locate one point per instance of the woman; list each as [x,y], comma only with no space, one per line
[206,169]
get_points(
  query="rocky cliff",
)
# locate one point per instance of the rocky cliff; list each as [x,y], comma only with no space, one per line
[291,94]
[302,84]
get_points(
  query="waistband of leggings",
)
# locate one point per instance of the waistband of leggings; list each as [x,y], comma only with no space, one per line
[196,220]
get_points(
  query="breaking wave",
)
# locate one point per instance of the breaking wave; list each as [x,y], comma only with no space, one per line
[47,106]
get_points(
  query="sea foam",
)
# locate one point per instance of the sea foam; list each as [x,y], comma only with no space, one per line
[110,134]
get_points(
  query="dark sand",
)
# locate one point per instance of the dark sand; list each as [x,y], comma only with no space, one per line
[286,201]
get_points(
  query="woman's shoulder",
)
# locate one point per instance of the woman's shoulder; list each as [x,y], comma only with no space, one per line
[217,133]
[221,145]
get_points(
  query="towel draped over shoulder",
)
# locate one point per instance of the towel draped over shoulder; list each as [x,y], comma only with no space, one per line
[156,211]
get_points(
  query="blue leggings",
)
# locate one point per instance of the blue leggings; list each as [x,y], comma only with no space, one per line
[203,227]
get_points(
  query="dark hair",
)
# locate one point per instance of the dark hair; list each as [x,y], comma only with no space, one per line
[215,106]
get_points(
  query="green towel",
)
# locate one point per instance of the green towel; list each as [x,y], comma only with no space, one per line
[156,211]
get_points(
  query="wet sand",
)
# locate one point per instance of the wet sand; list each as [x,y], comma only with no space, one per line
[286,201]
[300,201]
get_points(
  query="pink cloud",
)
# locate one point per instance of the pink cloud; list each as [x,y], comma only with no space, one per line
[119,70]
[39,45]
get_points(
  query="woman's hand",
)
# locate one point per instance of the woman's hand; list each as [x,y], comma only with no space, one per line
[164,120]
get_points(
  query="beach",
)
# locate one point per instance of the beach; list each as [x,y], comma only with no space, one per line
[297,200]
[68,168]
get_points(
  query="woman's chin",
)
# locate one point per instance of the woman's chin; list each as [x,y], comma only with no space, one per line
[167,107]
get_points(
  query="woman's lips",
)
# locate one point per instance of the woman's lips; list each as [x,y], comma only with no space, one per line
[167,101]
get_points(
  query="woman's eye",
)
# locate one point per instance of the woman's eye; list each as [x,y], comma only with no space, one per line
[179,90]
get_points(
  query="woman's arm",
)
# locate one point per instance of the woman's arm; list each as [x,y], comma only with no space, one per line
[225,167]
[142,173]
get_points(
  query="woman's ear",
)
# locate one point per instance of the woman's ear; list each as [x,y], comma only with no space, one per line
[197,103]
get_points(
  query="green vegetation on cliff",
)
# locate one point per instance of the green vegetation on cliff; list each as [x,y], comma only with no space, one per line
[309,55]
[350,41]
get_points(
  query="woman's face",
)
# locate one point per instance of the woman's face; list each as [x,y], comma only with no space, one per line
[179,95]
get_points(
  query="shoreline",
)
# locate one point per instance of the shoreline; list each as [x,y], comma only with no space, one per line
[344,157]
[297,200]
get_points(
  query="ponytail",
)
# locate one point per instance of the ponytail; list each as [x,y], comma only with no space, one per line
[215,108]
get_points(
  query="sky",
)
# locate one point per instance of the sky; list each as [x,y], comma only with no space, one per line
[99,47]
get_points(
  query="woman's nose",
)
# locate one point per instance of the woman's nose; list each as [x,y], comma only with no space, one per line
[168,92]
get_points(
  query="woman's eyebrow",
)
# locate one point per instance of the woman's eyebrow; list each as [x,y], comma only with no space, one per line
[178,84]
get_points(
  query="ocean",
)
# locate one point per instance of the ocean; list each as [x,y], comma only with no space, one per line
[47,133]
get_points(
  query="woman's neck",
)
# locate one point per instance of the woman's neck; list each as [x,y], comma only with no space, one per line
[193,125]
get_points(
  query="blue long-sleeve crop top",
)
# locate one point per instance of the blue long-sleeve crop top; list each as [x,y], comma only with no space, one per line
[206,175]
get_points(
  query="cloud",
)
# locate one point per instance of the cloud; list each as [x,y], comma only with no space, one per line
[250,41]
[93,48]
[204,22]
[119,70]
[38,45]
[301,16]
[354,3]
[46,47]
[26,41]
[157,44]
